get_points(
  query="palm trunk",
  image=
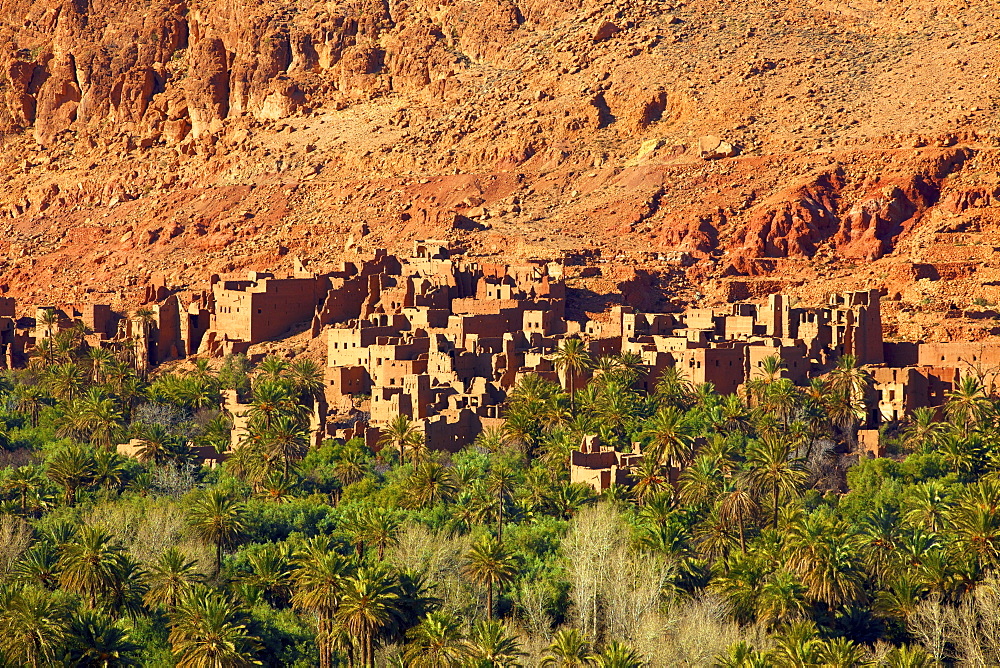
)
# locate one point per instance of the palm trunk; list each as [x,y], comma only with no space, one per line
[775,506]
[743,542]
[500,519]
[572,390]
[325,653]
[489,600]
[402,454]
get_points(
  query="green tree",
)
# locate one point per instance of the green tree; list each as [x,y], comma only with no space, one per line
[618,655]
[501,482]
[738,505]
[157,444]
[319,582]
[431,483]
[287,440]
[209,631]
[436,642]
[571,359]
[96,641]
[489,563]
[34,625]
[367,607]
[568,649]
[217,519]
[772,470]
[492,646]
[671,437]
[71,467]
[171,579]
[401,433]
[91,564]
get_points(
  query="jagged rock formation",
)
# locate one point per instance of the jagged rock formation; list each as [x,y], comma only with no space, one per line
[857,141]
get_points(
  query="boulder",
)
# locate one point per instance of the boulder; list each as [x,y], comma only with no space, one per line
[713,148]
[606,30]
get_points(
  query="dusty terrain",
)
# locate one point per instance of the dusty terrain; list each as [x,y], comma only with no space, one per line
[187,138]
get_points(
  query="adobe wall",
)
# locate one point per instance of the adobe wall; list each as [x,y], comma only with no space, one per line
[267,309]
[959,354]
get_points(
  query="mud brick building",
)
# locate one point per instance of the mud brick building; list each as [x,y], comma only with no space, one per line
[443,339]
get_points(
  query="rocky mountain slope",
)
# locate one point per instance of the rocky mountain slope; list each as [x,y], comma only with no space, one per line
[187,138]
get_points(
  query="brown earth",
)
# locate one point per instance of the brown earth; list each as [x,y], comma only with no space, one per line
[207,136]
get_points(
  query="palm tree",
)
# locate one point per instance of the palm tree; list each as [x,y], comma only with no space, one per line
[157,444]
[367,607]
[742,655]
[90,565]
[28,399]
[272,367]
[171,579]
[380,527]
[773,471]
[570,497]
[64,381]
[500,483]
[770,369]
[307,379]
[351,466]
[714,537]
[492,439]
[271,399]
[568,649]
[99,359]
[270,574]
[96,641]
[967,403]
[841,652]
[216,518]
[110,469]
[571,359]
[821,553]
[319,583]
[400,433]
[491,564]
[431,483]
[701,482]
[287,440]
[923,429]
[618,655]
[34,625]
[71,468]
[976,522]
[849,378]
[673,389]
[25,484]
[738,505]
[927,505]
[671,437]
[39,565]
[781,399]
[651,478]
[491,646]
[208,631]
[780,599]
[797,645]
[436,642]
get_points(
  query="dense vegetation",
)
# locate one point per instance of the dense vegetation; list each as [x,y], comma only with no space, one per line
[749,537]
